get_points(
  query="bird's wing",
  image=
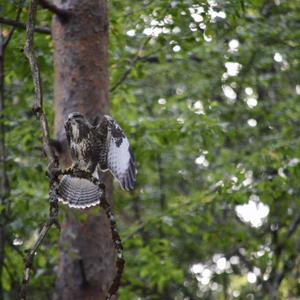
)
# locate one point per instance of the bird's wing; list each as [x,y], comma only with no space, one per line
[120,160]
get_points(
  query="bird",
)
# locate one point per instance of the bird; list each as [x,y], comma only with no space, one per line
[95,148]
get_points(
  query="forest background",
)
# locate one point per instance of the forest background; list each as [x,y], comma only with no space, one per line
[208,93]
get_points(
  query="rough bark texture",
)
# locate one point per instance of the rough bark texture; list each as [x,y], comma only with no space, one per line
[81,84]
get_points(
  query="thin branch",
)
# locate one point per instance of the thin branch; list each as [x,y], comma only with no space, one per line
[138,11]
[250,266]
[154,219]
[38,106]
[291,262]
[60,12]
[293,227]
[20,25]
[279,248]
[161,181]
[281,245]
[120,262]
[53,162]
[288,266]
[131,65]
[135,59]
[156,59]
[30,257]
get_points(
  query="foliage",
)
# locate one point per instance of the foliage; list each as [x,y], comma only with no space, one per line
[210,103]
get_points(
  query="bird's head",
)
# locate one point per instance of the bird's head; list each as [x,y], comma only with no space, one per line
[76,125]
[75,117]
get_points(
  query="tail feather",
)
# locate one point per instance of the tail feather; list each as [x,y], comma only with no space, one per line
[78,192]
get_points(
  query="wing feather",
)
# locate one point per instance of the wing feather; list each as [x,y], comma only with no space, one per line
[120,160]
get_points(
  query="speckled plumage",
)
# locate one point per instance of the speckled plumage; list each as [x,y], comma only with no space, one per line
[95,148]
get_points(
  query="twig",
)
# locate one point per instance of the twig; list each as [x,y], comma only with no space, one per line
[292,228]
[20,25]
[291,262]
[138,11]
[131,65]
[135,59]
[250,266]
[60,12]
[156,59]
[120,262]
[279,250]
[53,162]
[38,106]
[30,257]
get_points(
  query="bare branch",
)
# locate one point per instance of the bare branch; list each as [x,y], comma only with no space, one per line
[53,163]
[292,228]
[120,262]
[30,257]
[155,59]
[60,12]
[20,25]
[135,59]
[38,106]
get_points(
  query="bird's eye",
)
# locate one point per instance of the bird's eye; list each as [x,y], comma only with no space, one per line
[75,116]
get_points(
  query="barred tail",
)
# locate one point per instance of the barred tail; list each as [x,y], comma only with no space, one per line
[78,192]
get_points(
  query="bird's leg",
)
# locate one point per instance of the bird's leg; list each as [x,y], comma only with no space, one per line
[99,175]
[74,167]
[52,170]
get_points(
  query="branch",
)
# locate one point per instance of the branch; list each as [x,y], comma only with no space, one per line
[249,265]
[20,25]
[53,162]
[288,266]
[60,12]
[135,59]
[120,262]
[30,257]
[292,228]
[155,59]
[161,182]
[38,106]
[281,245]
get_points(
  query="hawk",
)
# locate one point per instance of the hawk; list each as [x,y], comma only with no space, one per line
[95,148]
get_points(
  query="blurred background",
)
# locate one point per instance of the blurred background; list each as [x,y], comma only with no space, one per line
[208,93]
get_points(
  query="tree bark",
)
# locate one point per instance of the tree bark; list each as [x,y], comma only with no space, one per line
[86,267]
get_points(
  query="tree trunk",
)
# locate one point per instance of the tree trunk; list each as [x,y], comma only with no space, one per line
[86,267]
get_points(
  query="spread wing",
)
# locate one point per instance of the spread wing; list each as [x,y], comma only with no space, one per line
[120,160]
